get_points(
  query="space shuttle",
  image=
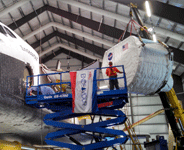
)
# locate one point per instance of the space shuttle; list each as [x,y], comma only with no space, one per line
[18,121]
[14,49]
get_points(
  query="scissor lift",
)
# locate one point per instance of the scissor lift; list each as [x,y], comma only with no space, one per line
[61,105]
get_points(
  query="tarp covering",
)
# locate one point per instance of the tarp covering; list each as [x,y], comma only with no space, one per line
[65,76]
[53,78]
[83,91]
[147,67]
[94,64]
[45,90]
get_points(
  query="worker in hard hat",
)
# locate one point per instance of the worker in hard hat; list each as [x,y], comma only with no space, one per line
[112,73]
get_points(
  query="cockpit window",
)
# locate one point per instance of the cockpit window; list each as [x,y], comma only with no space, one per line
[2,30]
[10,33]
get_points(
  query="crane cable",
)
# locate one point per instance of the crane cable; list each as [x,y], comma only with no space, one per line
[133,22]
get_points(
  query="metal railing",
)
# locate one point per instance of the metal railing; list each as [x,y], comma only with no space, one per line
[60,79]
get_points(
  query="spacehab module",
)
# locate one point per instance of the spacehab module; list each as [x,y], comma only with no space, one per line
[148,65]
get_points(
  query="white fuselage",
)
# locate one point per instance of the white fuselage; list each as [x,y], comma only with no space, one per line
[13,46]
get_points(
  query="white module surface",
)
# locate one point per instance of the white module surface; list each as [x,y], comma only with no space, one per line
[146,67]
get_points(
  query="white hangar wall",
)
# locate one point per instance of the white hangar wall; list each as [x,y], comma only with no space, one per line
[139,107]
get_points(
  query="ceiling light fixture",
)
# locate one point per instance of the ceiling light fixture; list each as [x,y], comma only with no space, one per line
[150,29]
[148,9]
[154,37]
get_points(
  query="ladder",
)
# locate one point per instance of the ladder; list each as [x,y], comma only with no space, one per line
[133,136]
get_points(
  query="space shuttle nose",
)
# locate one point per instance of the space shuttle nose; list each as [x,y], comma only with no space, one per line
[148,69]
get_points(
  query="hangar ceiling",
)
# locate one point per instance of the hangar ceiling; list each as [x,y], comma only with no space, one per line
[84,29]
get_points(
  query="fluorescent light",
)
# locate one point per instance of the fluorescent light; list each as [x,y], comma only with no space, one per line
[150,29]
[154,38]
[148,9]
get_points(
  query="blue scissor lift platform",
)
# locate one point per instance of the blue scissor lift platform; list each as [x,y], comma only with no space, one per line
[108,101]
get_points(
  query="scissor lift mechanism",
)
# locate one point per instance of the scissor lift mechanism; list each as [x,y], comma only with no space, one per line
[61,104]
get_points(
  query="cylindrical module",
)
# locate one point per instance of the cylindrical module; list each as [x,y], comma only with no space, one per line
[148,67]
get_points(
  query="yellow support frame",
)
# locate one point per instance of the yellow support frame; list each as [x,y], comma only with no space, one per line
[145,119]
[5,145]
[175,104]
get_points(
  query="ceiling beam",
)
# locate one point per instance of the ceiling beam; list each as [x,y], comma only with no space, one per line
[167,11]
[51,56]
[78,56]
[160,9]
[27,18]
[159,31]
[65,51]
[43,40]
[93,48]
[12,7]
[94,25]
[90,47]
[105,29]
[68,29]
[178,55]
[50,49]
[163,10]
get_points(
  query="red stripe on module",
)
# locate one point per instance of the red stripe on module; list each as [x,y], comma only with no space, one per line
[73,76]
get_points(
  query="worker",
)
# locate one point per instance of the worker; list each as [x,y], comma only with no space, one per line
[112,73]
[43,90]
